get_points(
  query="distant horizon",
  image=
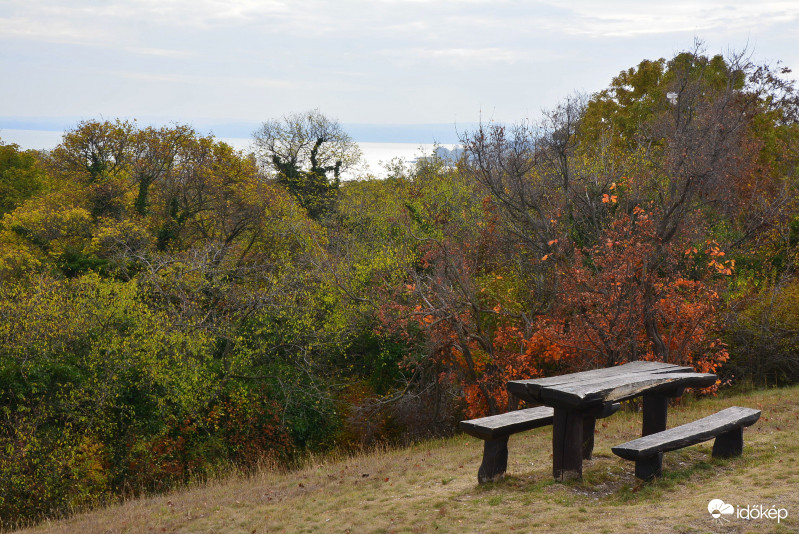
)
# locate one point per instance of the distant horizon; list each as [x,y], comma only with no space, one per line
[432,133]
[389,71]
[375,153]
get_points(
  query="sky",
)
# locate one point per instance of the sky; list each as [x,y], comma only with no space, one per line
[382,68]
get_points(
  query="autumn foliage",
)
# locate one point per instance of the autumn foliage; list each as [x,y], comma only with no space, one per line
[171,307]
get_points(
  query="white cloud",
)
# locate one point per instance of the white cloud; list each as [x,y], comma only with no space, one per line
[366,60]
[465,56]
[628,19]
[199,80]
[160,52]
[52,30]
[490,55]
[208,12]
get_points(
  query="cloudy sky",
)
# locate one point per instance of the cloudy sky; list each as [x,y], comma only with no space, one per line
[222,63]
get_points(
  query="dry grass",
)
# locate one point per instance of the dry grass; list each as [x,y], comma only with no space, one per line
[432,487]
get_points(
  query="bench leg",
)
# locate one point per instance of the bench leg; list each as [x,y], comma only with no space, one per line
[646,468]
[567,444]
[495,460]
[729,444]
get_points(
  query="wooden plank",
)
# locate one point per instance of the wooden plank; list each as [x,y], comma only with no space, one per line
[689,434]
[622,387]
[530,390]
[631,367]
[499,426]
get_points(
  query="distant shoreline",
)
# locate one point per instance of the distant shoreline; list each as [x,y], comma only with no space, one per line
[375,154]
[440,133]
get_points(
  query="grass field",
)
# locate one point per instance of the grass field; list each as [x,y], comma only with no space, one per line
[432,487]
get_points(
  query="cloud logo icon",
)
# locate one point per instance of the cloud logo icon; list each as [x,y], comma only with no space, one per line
[717,508]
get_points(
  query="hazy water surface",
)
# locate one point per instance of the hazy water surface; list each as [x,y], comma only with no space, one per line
[375,155]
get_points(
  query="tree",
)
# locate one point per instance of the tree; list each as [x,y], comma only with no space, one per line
[621,208]
[307,152]
[21,176]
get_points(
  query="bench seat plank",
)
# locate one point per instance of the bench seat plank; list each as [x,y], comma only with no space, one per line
[689,434]
[503,425]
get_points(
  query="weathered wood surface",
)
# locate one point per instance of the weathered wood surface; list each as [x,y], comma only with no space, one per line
[499,426]
[723,422]
[567,444]
[610,387]
[603,410]
[529,390]
[579,398]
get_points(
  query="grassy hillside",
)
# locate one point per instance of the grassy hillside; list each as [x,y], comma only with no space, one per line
[432,487]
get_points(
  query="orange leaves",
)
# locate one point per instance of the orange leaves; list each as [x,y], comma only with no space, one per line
[723,268]
[627,298]
[609,199]
[717,264]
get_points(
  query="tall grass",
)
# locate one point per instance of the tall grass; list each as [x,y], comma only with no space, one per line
[432,486]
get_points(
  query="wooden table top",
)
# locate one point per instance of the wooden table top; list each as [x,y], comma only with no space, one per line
[612,384]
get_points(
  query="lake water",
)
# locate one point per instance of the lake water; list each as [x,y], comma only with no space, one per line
[375,155]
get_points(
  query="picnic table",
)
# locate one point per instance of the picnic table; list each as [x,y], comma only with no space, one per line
[579,398]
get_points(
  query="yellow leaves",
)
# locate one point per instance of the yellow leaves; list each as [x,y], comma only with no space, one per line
[126,234]
[17,260]
[46,222]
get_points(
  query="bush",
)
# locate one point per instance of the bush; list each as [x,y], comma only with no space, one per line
[764,337]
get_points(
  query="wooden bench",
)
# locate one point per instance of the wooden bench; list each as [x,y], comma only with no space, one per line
[496,429]
[726,426]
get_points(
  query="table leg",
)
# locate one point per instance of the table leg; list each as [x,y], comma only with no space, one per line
[655,411]
[589,426]
[567,444]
